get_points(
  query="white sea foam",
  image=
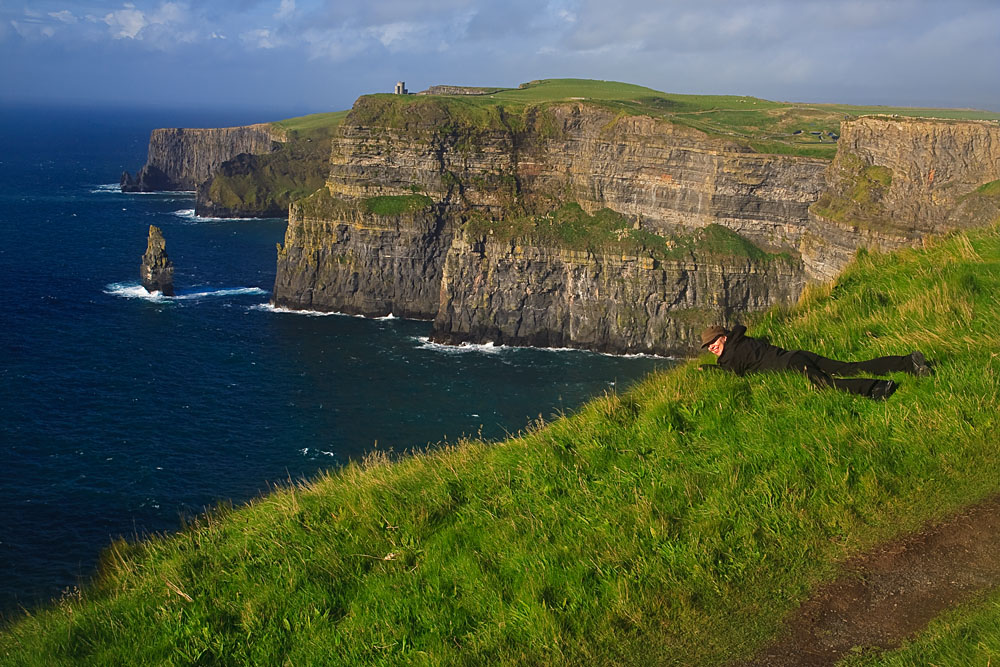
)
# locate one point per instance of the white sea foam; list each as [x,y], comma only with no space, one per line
[137,291]
[493,348]
[487,348]
[116,188]
[188,214]
[271,308]
[133,291]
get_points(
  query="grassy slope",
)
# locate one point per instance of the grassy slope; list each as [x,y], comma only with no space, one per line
[676,522]
[764,125]
[295,170]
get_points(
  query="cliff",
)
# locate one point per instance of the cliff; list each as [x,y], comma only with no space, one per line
[182,158]
[263,185]
[895,180]
[483,256]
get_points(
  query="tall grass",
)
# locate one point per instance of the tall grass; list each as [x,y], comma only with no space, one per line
[676,523]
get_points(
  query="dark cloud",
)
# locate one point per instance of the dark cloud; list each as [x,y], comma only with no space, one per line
[857,51]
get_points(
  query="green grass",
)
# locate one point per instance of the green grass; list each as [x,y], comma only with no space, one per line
[266,184]
[674,523]
[397,204]
[967,635]
[991,189]
[323,124]
[760,125]
[572,228]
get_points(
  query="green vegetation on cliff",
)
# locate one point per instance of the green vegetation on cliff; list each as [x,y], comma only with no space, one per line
[674,523]
[759,125]
[607,231]
[397,204]
[266,184]
[859,202]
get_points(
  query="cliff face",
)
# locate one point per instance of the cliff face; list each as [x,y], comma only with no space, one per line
[530,295]
[895,180]
[483,163]
[181,158]
[668,177]
[338,256]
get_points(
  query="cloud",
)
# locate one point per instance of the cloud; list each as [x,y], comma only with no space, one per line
[261,38]
[64,16]
[126,23]
[286,9]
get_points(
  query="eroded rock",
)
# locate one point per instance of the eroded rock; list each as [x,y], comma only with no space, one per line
[156,270]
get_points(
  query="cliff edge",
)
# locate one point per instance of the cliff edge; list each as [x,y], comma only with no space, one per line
[182,158]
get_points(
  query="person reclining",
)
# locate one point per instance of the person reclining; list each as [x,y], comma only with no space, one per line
[742,354]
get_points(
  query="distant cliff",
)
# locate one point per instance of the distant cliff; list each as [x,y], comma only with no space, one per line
[443,210]
[895,180]
[182,158]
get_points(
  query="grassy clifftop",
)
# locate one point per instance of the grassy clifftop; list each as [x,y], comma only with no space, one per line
[676,522]
[762,125]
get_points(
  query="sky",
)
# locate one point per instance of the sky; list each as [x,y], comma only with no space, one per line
[305,56]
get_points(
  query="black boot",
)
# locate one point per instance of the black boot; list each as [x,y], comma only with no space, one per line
[883,389]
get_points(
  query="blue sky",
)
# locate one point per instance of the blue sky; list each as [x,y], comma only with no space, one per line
[302,56]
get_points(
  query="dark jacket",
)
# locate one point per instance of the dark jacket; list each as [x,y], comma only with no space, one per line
[743,354]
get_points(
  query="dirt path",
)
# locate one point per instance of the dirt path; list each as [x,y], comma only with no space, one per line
[889,594]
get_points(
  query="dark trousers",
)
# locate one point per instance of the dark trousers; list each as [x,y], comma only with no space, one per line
[821,371]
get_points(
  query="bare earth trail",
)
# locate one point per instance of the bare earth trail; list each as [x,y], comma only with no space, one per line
[891,593]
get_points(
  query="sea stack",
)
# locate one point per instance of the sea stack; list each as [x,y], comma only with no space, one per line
[157,271]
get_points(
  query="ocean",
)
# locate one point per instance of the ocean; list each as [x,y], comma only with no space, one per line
[123,413]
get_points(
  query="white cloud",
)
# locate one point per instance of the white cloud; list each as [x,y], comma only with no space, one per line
[126,22]
[64,16]
[286,9]
[261,38]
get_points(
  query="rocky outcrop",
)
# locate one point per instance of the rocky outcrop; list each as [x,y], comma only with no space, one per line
[895,180]
[157,271]
[181,158]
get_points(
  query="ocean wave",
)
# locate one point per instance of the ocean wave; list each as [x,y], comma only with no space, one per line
[271,308]
[189,214]
[487,348]
[116,188]
[493,348]
[137,291]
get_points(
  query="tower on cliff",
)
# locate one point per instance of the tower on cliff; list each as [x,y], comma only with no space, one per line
[401,88]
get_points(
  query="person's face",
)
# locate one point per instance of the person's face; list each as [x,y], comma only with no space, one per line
[717,346]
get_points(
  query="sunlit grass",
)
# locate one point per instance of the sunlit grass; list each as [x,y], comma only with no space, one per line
[674,523]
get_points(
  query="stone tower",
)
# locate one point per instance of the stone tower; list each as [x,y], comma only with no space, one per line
[401,88]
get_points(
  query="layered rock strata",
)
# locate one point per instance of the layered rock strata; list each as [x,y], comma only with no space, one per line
[181,158]
[549,297]
[485,163]
[896,180]
[156,270]
[338,256]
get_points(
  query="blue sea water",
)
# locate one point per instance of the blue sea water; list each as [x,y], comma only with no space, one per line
[121,413]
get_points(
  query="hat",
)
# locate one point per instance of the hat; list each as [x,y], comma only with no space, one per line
[709,335]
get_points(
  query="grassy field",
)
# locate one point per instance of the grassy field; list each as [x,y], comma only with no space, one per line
[763,125]
[675,523]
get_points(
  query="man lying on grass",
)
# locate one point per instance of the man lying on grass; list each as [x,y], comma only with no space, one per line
[742,354]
